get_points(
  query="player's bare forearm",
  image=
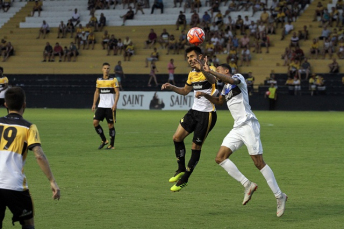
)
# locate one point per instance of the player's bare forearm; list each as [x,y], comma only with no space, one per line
[43,162]
[225,78]
[95,97]
[179,90]
[211,79]
[116,97]
[215,100]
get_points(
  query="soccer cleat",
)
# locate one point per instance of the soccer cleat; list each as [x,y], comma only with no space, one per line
[176,176]
[103,144]
[110,147]
[177,188]
[281,204]
[249,192]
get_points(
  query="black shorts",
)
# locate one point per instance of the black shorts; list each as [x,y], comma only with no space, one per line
[102,113]
[19,203]
[2,102]
[201,123]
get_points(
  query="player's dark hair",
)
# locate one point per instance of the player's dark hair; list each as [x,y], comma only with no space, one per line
[197,50]
[106,64]
[226,66]
[15,98]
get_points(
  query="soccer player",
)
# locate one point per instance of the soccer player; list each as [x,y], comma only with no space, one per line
[3,86]
[17,136]
[107,89]
[246,130]
[200,119]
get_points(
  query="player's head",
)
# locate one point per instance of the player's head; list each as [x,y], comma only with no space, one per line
[15,99]
[224,69]
[106,69]
[193,53]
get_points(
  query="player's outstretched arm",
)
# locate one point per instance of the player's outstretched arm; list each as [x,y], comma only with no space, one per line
[44,164]
[179,90]
[225,78]
[204,67]
[215,100]
[95,99]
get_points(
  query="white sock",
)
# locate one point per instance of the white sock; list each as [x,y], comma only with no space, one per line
[233,171]
[271,180]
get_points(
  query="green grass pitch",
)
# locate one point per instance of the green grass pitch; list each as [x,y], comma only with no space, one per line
[128,187]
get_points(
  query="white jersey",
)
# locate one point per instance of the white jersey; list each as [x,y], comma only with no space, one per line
[237,101]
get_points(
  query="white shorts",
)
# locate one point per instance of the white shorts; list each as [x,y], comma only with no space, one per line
[248,134]
[170,76]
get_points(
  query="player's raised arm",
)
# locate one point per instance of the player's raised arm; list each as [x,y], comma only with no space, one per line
[179,90]
[215,100]
[202,65]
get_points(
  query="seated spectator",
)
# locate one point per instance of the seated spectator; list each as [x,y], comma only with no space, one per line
[91,39]
[295,11]
[339,4]
[257,6]
[218,19]
[93,22]
[172,45]
[129,51]
[72,52]
[47,52]
[245,56]
[153,57]
[265,42]
[88,29]
[37,7]
[304,34]
[287,29]
[293,68]
[209,49]
[334,16]
[216,61]
[206,19]
[234,66]
[340,52]
[120,46]
[6,5]
[325,18]
[247,23]
[78,35]
[196,3]
[290,84]
[325,33]
[128,16]
[334,66]
[297,85]
[318,11]
[215,7]
[194,19]
[101,22]
[229,23]
[312,85]
[294,41]
[181,21]
[62,30]
[327,48]
[272,80]
[139,6]
[163,39]
[75,17]
[264,17]
[126,42]
[58,51]
[105,39]
[158,4]
[314,48]
[119,74]
[334,37]
[286,56]
[305,68]
[99,5]
[271,28]
[253,28]
[113,45]
[232,55]
[8,51]
[70,28]
[244,42]
[82,40]
[261,28]
[182,40]
[65,53]
[280,18]
[177,1]
[239,24]
[152,37]
[127,2]
[45,29]
[298,54]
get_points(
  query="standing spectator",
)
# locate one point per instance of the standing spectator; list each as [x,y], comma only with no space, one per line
[58,51]
[334,66]
[250,83]
[181,20]
[305,68]
[75,17]
[154,56]
[43,30]
[113,45]
[152,37]
[3,87]
[9,51]
[152,74]
[272,95]
[47,53]
[171,68]
[105,39]
[158,4]
[119,74]
[62,30]
[101,22]
[37,7]
[129,51]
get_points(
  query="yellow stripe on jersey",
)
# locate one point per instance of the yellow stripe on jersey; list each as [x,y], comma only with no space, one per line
[3,81]
[209,125]
[107,83]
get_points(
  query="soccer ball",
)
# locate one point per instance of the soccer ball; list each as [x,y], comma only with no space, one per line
[196,36]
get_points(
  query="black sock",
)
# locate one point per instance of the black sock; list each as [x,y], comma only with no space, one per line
[195,156]
[180,154]
[100,131]
[112,134]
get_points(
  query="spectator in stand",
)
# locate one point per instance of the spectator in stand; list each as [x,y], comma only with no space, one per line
[257,6]
[58,51]
[120,46]
[101,22]
[250,83]
[287,29]
[158,4]
[171,68]
[334,16]
[253,28]
[83,40]
[218,19]
[70,28]
[334,37]
[325,18]
[152,37]
[280,18]
[182,40]
[99,5]
[286,56]
[78,35]
[105,39]
[312,85]
[176,1]
[297,85]
[75,17]
[153,56]
[119,74]
[271,28]
[126,42]
[334,66]
[8,51]
[229,23]
[215,7]
[45,29]
[37,7]
[72,52]
[294,41]
[128,16]
[247,23]
[62,30]
[304,34]
[327,48]
[232,55]
[6,5]
[139,6]
[340,52]
[261,28]
[305,68]
[239,24]
[129,51]
[264,17]
[91,39]
[325,33]
[65,53]
[234,66]
[47,52]
[194,22]
[206,19]
[245,42]
[127,2]
[181,21]
[245,56]
[265,42]
[314,50]
[293,68]
[172,45]
[112,45]
[318,11]
[163,39]
[290,84]
[209,49]
[152,74]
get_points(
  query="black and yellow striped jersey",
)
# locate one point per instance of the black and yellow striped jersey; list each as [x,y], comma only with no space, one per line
[3,81]
[16,136]
[106,88]
[199,82]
